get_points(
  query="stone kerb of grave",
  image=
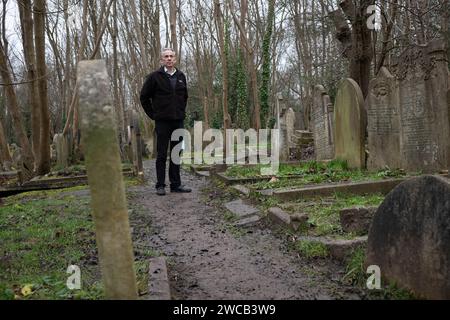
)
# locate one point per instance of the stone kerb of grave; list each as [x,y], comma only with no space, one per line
[422,75]
[322,124]
[383,122]
[409,238]
[350,124]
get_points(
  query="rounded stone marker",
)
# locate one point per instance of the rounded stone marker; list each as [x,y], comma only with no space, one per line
[409,238]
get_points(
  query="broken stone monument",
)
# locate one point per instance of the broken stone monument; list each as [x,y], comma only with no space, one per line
[350,124]
[409,238]
[383,122]
[322,124]
[108,200]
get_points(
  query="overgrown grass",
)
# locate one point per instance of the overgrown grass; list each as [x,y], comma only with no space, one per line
[324,212]
[311,172]
[311,249]
[356,275]
[42,233]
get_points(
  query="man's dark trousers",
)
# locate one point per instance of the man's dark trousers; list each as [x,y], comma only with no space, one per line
[164,130]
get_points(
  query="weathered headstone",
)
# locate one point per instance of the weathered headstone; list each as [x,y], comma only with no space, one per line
[299,121]
[383,122]
[105,180]
[289,120]
[284,142]
[322,124]
[62,150]
[136,143]
[409,238]
[350,124]
[422,73]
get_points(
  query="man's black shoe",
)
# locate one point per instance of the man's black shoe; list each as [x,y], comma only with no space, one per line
[180,189]
[160,191]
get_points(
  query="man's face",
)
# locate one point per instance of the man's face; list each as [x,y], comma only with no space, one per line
[168,59]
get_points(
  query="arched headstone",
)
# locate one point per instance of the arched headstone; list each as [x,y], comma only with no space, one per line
[350,124]
[409,238]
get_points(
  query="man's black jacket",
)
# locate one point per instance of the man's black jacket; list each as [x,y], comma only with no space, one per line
[160,100]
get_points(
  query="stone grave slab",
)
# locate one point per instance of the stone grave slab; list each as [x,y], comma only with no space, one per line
[241,209]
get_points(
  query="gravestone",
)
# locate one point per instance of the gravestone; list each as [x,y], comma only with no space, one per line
[62,150]
[409,238]
[108,200]
[299,121]
[322,124]
[383,122]
[350,124]
[284,142]
[422,75]
[289,120]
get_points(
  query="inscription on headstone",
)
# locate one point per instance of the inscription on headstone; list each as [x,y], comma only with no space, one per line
[422,75]
[383,122]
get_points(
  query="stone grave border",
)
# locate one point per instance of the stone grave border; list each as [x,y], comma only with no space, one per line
[50,184]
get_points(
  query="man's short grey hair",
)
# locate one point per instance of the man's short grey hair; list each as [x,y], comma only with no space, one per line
[168,49]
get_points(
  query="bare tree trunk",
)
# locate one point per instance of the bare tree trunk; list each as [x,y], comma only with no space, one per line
[173,24]
[43,166]
[13,107]
[5,157]
[357,41]
[223,57]
[251,67]
[26,23]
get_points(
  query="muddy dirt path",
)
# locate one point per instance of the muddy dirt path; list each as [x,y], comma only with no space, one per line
[208,261]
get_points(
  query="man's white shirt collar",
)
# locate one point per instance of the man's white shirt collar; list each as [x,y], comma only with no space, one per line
[171,73]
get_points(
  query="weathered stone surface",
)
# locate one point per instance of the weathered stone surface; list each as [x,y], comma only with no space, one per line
[248,222]
[300,217]
[158,280]
[289,120]
[350,124]
[242,189]
[299,221]
[357,219]
[103,165]
[383,122]
[299,121]
[202,173]
[422,73]
[409,238]
[279,216]
[341,249]
[322,124]
[240,209]
[365,187]
[62,150]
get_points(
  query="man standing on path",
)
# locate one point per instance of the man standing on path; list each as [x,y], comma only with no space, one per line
[163,97]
